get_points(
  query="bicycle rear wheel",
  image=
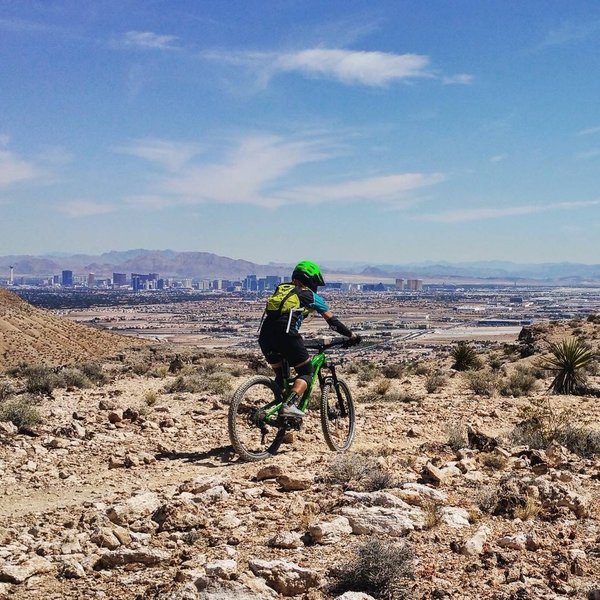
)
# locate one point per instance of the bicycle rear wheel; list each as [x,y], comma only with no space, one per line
[337,415]
[250,436]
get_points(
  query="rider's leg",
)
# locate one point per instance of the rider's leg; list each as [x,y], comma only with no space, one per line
[304,371]
[278,371]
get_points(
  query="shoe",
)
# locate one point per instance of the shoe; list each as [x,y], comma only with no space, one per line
[289,410]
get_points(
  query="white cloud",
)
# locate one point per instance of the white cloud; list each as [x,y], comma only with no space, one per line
[385,188]
[351,67]
[84,208]
[458,79]
[479,214]
[148,39]
[354,67]
[15,170]
[171,155]
[589,131]
[258,170]
[4,140]
[498,158]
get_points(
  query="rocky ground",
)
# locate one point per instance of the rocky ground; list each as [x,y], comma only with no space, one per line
[128,490]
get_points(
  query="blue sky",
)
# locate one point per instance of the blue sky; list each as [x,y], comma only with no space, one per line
[275,130]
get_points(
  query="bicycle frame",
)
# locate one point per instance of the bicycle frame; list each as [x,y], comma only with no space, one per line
[319,361]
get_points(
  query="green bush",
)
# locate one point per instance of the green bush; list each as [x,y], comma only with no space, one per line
[569,359]
[184,383]
[21,411]
[465,358]
[435,381]
[520,382]
[482,383]
[378,568]
[72,378]
[40,380]
[94,372]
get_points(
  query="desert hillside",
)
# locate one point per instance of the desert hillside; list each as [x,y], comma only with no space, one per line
[29,334]
[120,482]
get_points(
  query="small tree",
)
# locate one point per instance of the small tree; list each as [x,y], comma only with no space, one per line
[569,359]
[465,357]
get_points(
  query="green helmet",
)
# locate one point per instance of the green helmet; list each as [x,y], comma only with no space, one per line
[308,273]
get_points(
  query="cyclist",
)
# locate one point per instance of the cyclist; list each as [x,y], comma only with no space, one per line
[279,333]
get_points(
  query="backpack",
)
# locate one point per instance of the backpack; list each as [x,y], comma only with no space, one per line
[283,300]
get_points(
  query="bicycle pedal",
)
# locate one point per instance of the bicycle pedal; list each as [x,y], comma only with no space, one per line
[293,423]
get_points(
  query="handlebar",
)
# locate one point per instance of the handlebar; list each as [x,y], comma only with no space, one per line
[320,345]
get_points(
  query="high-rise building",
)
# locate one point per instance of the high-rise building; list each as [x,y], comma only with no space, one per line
[67,278]
[272,281]
[414,285]
[399,284]
[251,283]
[119,279]
[91,280]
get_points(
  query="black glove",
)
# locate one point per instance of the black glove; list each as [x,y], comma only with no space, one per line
[353,340]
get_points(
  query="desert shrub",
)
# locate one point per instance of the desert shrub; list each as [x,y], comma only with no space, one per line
[382,387]
[72,378]
[393,397]
[520,382]
[258,366]
[465,358]
[378,568]
[579,440]
[94,372]
[495,362]
[457,436]
[237,371]
[435,381]
[151,398]
[358,471]
[393,371]
[40,380]
[482,383]
[140,368]
[486,498]
[421,369]
[6,390]
[368,372]
[568,361]
[494,461]
[184,383]
[352,368]
[217,383]
[21,411]
[210,365]
[159,372]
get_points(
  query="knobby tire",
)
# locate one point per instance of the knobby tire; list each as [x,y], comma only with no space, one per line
[246,438]
[338,422]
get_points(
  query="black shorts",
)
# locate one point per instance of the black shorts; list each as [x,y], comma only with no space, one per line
[275,343]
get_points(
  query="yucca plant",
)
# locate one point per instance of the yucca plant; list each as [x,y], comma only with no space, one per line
[569,358]
[465,357]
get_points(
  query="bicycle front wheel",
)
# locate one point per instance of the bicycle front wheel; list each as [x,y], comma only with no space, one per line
[251,437]
[337,415]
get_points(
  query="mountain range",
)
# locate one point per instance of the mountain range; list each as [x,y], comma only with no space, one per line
[207,265]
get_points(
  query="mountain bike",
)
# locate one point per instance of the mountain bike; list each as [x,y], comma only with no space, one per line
[256,429]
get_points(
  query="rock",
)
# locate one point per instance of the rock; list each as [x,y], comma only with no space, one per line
[294,483]
[286,539]
[330,532]
[513,542]
[69,568]
[148,557]
[8,427]
[454,516]
[378,520]
[22,572]
[213,495]
[474,545]
[379,498]
[104,537]
[480,441]
[432,474]
[115,416]
[423,491]
[201,484]
[354,596]
[285,577]
[136,507]
[594,594]
[269,472]
[223,569]
[179,515]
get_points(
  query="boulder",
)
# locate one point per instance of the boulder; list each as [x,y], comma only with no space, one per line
[285,577]
[294,483]
[20,573]
[134,508]
[286,539]
[330,532]
[148,557]
[378,520]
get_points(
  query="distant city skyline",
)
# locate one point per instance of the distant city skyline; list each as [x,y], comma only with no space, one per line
[341,131]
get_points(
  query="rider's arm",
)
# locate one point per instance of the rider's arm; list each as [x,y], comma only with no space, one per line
[335,324]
